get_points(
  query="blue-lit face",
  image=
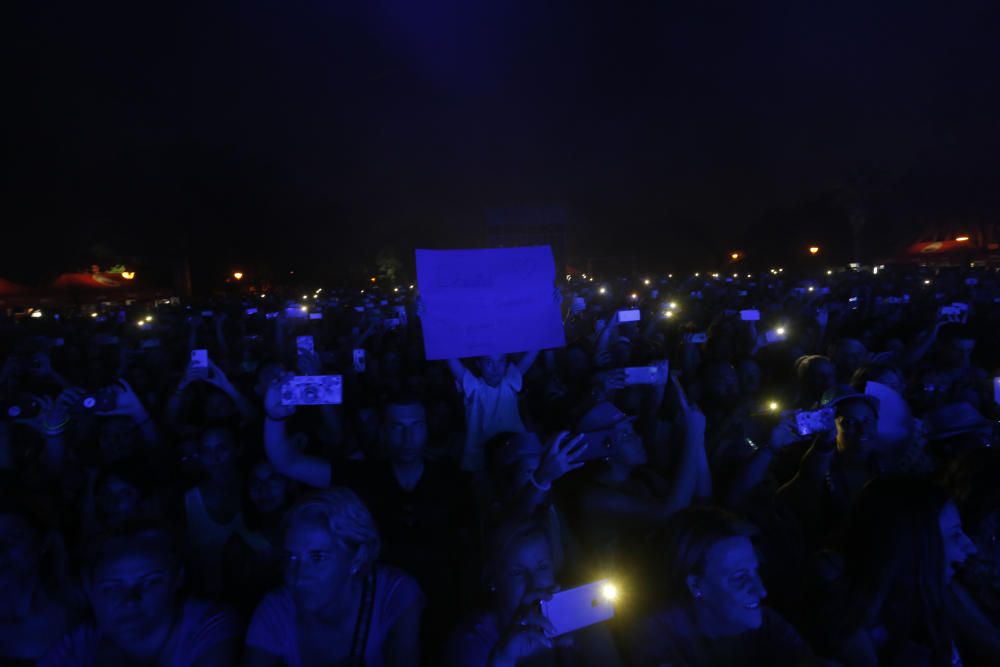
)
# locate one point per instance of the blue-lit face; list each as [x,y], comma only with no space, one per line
[492,369]
[133,593]
[730,589]
[317,564]
[405,431]
[526,574]
[957,545]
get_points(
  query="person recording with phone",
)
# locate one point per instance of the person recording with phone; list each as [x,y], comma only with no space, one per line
[511,631]
[838,464]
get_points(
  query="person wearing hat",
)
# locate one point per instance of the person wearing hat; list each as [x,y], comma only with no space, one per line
[956,428]
[838,464]
[621,499]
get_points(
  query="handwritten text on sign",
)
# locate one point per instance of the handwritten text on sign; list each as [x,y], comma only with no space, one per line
[493,301]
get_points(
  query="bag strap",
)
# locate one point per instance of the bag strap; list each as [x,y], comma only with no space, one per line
[362,626]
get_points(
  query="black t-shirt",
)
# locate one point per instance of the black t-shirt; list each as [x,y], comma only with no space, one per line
[420,528]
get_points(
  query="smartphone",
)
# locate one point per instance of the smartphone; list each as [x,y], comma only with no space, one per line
[640,375]
[750,315]
[996,390]
[315,316]
[313,390]
[359,361]
[580,607]
[102,400]
[20,409]
[810,422]
[296,311]
[597,445]
[199,362]
[304,345]
[952,314]
[251,311]
[653,374]
[628,316]
[579,304]
[775,335]
[696,338]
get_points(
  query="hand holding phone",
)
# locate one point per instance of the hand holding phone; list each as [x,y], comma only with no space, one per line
[199,364]
[313,390]
[580,607]
[811,422]
[623,316]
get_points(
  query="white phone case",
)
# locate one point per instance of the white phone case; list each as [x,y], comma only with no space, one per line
[577,608]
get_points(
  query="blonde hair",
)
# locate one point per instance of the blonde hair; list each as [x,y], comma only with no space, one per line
[347,517]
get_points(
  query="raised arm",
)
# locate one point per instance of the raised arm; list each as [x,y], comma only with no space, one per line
[525,362]
[283,456]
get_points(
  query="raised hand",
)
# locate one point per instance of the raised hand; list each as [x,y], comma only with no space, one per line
[561,456]
[127,403]
[272,400]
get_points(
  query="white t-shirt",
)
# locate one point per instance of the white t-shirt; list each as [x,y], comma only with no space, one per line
[488,411]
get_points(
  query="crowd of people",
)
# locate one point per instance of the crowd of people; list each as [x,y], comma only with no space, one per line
[809,484]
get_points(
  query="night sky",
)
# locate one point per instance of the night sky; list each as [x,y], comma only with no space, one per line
[273,133]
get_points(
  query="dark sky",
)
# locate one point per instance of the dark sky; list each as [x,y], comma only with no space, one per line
[320,131]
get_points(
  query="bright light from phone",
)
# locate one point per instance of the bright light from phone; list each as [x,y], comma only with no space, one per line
[668,313]
[238,275]
[780,331]
[927,282]
[610,592]
[602,290]
[304,309]
[962,239]
[735,256]
[373,278]
[584,275]
[411,286]
[93,314]
[829,272]
[128,275]
[670,275]
[634,296]
[715,275]
[696,275]
[773,406]
[673,305]
[813,249]
[811,288]
[36,313]
[141,323]
[646,281]
[305,296]
[149,318]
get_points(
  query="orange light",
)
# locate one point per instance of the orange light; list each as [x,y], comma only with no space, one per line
[961,239]
[238,275]
[813,249]
[128,275]
[735,256]
[373,278]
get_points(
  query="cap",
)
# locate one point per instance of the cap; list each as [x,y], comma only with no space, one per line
[601,416]
[955,419]
[845,392]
